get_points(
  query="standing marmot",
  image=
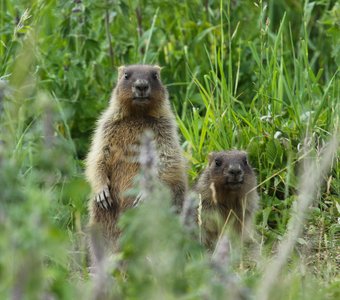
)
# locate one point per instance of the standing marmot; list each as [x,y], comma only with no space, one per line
[138,103]
[228,192]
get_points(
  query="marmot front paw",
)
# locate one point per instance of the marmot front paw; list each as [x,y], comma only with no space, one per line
[104,199]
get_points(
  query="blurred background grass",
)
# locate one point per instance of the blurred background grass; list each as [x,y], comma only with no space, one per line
[257,75]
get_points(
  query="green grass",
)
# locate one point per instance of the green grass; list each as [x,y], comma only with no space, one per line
[260,76]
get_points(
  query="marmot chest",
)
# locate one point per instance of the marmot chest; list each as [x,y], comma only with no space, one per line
[123,137]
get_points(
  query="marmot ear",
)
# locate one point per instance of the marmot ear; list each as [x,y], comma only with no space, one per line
[158,69]
[120,72]
[246,157]
[245,153]
[211,157]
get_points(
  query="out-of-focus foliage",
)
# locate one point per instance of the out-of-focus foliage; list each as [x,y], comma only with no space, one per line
[257,75]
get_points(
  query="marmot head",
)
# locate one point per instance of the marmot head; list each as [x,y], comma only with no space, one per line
[231,171]
[139,88]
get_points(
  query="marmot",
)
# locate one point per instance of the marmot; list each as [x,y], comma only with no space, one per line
[139,102]
[227,188]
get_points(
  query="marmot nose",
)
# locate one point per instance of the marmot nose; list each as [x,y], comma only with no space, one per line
[141,85]
[235,170]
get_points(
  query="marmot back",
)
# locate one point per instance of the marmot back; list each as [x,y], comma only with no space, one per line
[138,103]
[228,192]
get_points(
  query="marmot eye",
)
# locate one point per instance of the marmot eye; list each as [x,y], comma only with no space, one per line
[245,161]
[218,162]
[126,75]
[154,75]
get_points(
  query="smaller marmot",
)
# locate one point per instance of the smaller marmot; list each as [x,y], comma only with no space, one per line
[139,103]
[227,188]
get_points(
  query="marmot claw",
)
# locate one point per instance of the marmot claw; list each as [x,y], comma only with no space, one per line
[104,199]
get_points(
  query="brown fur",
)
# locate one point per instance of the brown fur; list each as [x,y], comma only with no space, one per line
[112,159]
[225,201]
